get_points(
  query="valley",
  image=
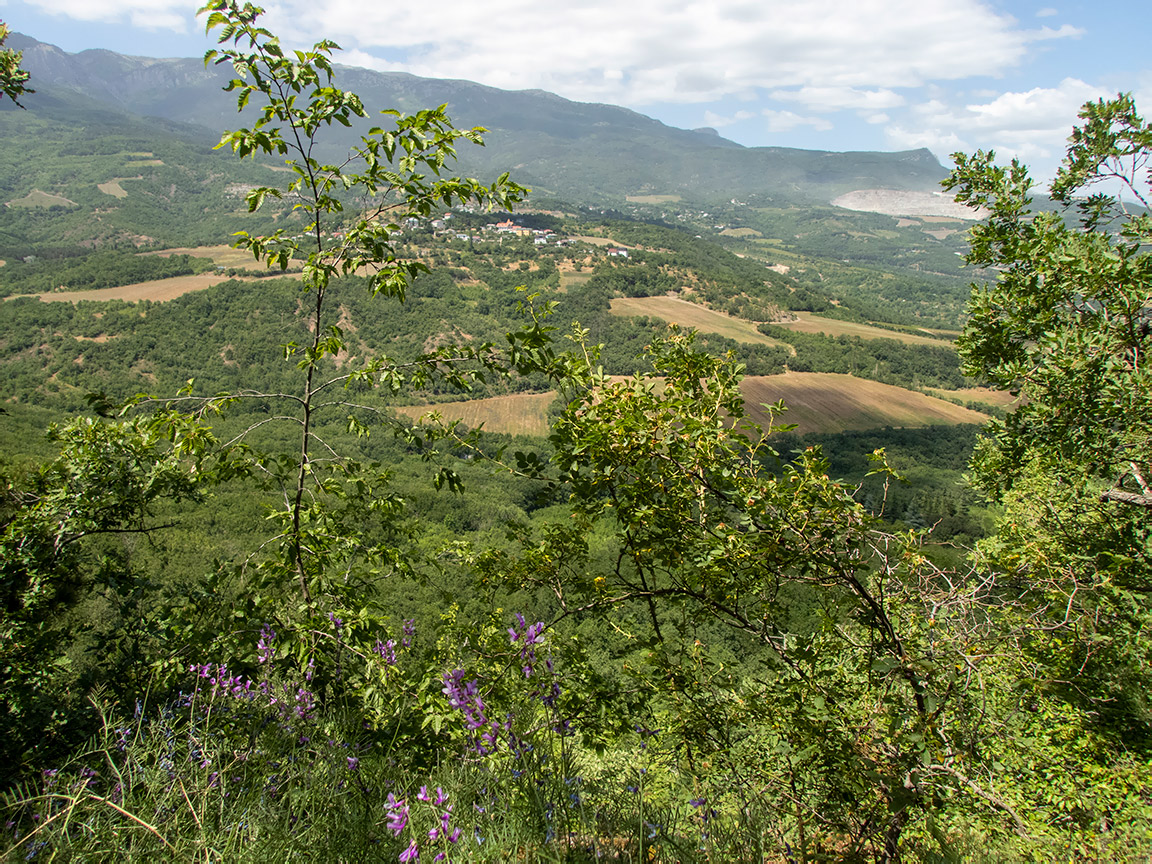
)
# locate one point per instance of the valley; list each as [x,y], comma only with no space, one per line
[618,483]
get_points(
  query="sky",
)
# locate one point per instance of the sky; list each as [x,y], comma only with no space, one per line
[949,75]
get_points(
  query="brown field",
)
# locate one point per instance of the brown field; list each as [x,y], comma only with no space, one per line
[521,414]
[222,256]
[808,323]
[136,163]
[941,233]
[823,402]
[596,241]
[817,402]
[740,232]
[652,199]
[157,291]
[687,314]
[36,198]
[986,395]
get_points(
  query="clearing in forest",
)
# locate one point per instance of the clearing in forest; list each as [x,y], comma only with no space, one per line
[572,279]
[36,198]
[157,290]
[519,414]
[984,395]
[826,402]
[806,322]
[817,402]
[113,187]
[677,311]
[221,255]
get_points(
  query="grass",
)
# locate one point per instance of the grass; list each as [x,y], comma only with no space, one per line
[687,314]
[36,198]
[808,323]
[113,187]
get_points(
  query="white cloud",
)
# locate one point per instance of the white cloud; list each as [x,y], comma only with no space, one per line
[786,121]
[1031,125]
[148,14]
[1046,12]
[837,98]
[719,121]
[829,54]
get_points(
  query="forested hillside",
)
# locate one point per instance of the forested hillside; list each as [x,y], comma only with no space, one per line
[254,609]
[590,152]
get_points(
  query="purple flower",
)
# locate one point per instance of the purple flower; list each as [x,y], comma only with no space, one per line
[422,795]
[387,651]
[411,853]
[397,814]
[264,646]
[409,631]
[353,763]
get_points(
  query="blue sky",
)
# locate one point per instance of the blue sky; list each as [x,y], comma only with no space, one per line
[821,74]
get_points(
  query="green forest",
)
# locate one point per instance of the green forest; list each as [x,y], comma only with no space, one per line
[253,612]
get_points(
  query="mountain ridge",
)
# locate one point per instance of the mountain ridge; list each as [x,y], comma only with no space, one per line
[587,151]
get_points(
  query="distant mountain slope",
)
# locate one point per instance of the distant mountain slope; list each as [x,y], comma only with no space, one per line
[586,152]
